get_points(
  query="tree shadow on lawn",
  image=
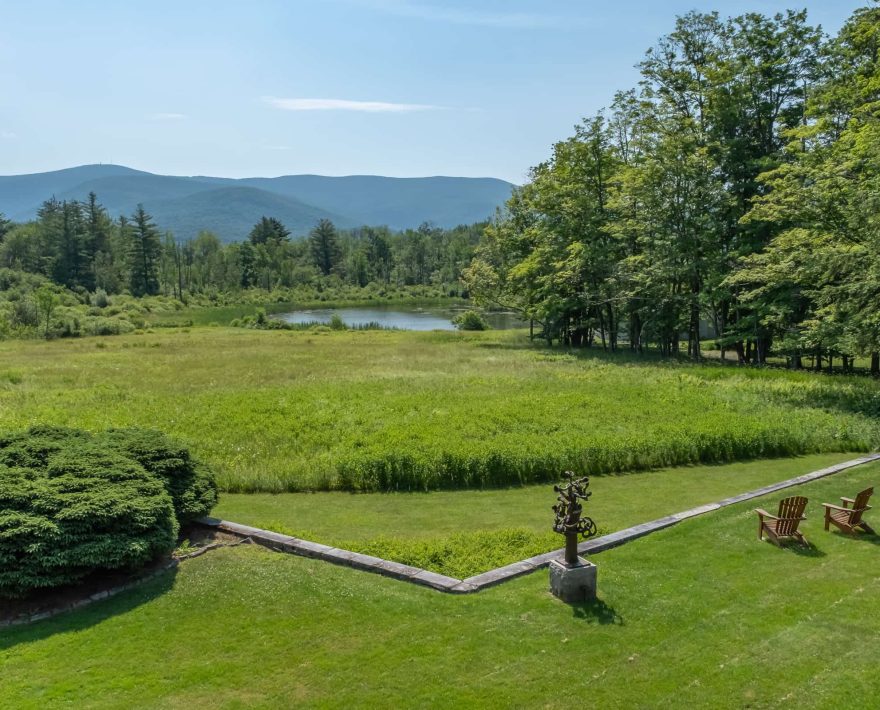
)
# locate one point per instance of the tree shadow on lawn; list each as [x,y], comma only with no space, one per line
[91,614]
[596,611]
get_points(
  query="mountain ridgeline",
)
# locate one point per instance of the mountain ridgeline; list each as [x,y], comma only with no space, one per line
[229,207]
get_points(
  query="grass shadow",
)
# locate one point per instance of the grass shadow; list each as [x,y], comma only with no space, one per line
[90,615]
[806,550]
[596,611]
[870,538]
[795,548]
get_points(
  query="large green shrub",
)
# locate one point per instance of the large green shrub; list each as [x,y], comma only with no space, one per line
[470,320]
[72,503]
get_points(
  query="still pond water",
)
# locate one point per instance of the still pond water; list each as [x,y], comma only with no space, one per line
[400,317]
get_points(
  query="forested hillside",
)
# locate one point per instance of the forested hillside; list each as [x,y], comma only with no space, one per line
[227,207]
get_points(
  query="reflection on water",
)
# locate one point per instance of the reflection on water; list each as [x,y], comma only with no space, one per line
[399,317]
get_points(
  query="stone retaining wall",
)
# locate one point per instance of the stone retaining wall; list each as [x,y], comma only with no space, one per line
[442,583]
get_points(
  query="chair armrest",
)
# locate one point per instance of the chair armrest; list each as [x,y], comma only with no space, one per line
[851,501]
[839,507]
[764,514]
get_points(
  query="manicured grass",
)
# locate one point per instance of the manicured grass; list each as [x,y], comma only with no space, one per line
[275,411]
[699,615]
[462,533]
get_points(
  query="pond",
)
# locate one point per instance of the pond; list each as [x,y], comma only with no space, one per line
[400,317]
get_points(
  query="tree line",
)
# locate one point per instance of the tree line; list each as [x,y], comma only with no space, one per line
[736,186]
[78,245]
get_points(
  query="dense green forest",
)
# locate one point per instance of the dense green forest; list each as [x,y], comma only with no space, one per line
[77,245]
[739,184]
[74,270]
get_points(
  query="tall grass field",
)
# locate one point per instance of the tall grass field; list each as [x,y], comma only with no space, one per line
[374,411]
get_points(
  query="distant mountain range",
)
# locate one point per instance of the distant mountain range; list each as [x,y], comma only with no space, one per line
[229,207]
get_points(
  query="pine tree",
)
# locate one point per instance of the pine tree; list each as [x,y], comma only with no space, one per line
[324,246]
[268,230]
[144,254]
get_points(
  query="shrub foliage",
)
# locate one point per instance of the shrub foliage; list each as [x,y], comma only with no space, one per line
[470,320]
[72,503]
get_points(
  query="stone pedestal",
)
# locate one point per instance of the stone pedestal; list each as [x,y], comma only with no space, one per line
[573,583]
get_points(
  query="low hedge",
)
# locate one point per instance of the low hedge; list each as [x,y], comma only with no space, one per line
[72,503]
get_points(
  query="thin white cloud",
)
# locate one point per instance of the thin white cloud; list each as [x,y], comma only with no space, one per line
[8,135]
[469,16]
[167,116]
[345,105]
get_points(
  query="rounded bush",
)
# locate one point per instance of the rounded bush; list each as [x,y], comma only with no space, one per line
[72,503]
[470,320]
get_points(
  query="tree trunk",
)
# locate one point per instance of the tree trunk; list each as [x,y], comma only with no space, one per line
[612,328]
[694,331]
[875,364]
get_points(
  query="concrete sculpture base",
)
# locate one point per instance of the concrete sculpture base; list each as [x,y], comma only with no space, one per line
[573,583]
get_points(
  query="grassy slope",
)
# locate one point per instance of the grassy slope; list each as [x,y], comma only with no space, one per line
[462,533]
[700,615]
[618,501]
[290,410]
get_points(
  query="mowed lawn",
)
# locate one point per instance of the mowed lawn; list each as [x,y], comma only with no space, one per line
[462,533]
[698,615]
[284,411]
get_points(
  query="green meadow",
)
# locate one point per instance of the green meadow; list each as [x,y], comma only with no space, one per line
[276,411]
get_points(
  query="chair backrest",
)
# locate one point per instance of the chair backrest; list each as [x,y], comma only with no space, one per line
[791,510]
[860,505]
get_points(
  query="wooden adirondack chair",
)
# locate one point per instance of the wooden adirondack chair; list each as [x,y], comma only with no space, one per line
[784,524]
[848,516]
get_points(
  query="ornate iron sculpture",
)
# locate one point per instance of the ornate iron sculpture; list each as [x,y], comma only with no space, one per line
[568,509]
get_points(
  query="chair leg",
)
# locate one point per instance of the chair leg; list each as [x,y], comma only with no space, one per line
[827,518]
[868,529]
[760,529]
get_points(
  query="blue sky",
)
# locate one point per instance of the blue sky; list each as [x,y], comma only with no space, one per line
[335,87]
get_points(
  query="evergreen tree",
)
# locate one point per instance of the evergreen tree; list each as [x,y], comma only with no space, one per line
[98,228]
[268,230]
[324,247]
[144,254]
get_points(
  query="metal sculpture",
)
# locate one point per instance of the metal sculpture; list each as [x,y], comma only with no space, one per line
[569,520]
